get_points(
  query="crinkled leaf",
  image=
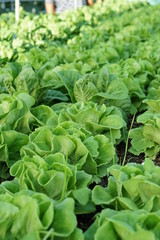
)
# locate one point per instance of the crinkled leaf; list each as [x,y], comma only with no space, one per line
[115,90]
[84,90]
[152,133]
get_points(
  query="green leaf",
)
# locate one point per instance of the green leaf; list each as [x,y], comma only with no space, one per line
[43,113]
[64,211]
[76,235]
[102,81]
[82,195]
[125,203]
[49,96]
[27,80]
[14,142]
[90,165]
[49,180]
[25,98]
[115,90]
[42,141]
[84,89]
[143,234]
[154,104]
[112,122]
[106,228]
[7,214]
[139,141]
[31,236]
[26,217]
[100,195]
[132,186]
[147,190]
[63,144]
[92,146]
[152,133]
[69,79]
[106,150]
[82,179]
[11,186]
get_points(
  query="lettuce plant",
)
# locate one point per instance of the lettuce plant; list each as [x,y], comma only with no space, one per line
[124,224]
[16,113]
[131,187]
[30,215]
[145,139]
[96,119]
[88,154]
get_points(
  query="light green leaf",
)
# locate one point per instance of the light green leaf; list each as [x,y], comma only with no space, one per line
[106,230]
[154,104]
[92,146]
[112,122]
[100,195]
[115,90]
[82,195]
[84,89]
[147,190]
[64,211]
[152,133]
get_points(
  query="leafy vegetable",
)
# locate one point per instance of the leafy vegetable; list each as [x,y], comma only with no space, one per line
[34,215]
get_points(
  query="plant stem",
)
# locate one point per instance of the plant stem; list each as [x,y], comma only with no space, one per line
[50,234]
[113,156]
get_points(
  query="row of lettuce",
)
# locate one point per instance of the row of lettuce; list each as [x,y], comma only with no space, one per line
[69,87]
[130,203]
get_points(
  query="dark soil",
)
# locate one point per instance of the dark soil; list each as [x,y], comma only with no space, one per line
[85,220]
[8,179]
[120,149]
[157,160]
